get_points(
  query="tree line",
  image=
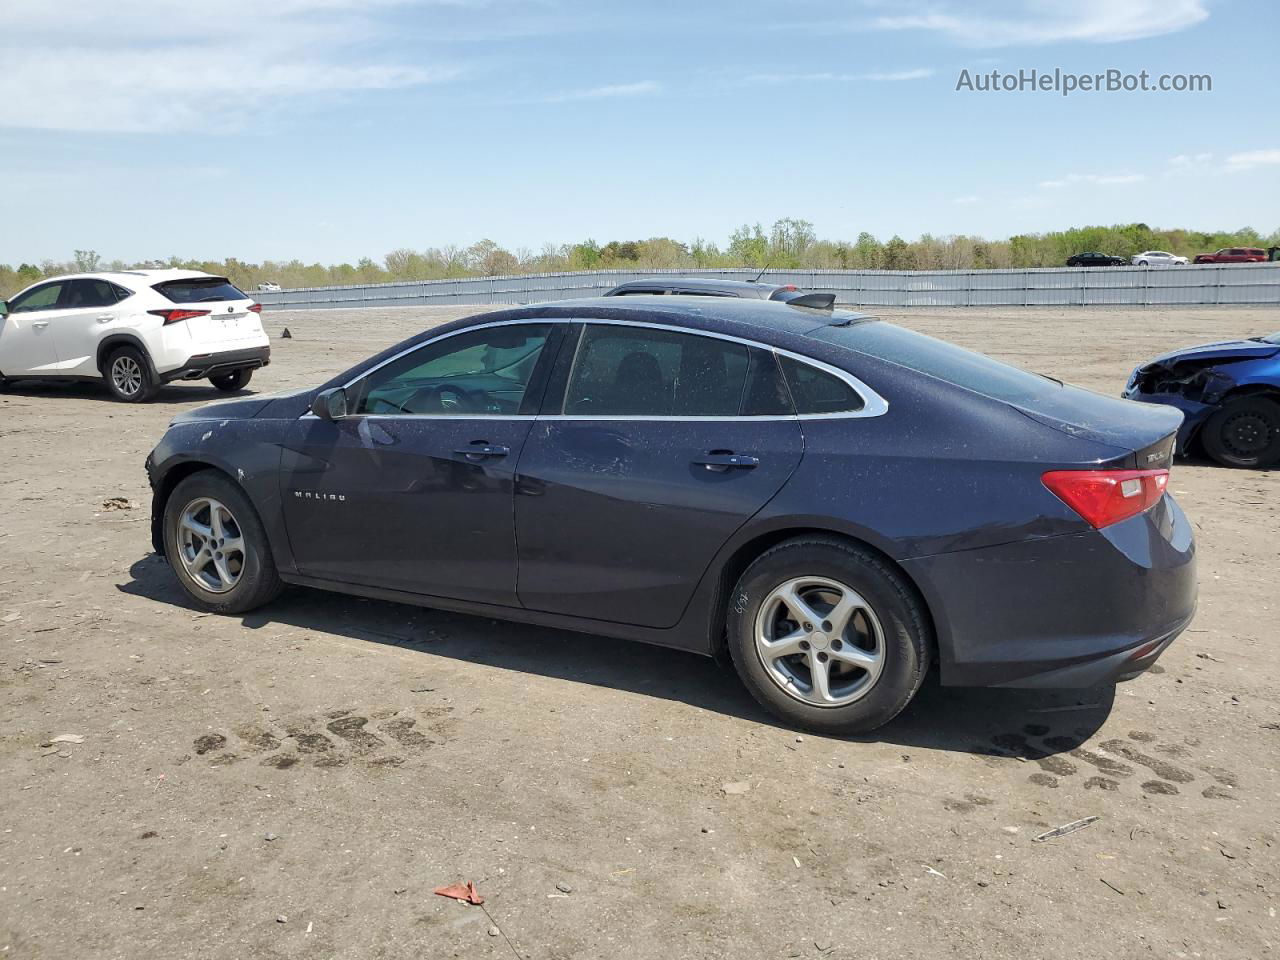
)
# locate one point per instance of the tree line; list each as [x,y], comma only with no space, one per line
[788,244]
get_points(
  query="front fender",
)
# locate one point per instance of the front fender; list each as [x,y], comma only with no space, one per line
[245,451]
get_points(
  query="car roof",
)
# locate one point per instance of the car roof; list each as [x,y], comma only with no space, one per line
[769,321]
[154,276]
[734,288]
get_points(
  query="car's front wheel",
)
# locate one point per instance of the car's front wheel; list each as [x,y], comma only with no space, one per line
[129,376]
[827,635]
[217,546]
[1244,433]
[235,380]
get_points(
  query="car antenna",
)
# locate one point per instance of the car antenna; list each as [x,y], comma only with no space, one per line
[756,278]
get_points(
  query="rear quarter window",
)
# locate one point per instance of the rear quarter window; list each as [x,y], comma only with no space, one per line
[817,391]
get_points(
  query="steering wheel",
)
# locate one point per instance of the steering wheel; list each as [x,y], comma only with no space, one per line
[447,398]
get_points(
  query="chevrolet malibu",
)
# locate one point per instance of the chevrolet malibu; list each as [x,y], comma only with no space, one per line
[832,503]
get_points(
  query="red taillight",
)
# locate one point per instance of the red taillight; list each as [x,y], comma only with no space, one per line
[173,316]
[255,308]
[789,286]
[1104,497]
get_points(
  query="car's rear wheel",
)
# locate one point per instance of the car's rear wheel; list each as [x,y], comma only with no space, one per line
[1244,433]
[235,380]
[1144,263]
[828,636]
[129,376]
[216,545]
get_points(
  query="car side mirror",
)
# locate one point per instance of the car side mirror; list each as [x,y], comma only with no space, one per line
[4,308]
[330,404]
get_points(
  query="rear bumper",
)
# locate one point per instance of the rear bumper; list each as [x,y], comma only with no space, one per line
[1068,611]
[203,365]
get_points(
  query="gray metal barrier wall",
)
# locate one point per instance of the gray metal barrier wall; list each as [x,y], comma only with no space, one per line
[1209,284]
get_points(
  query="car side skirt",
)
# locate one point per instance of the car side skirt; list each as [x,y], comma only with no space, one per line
[678,637]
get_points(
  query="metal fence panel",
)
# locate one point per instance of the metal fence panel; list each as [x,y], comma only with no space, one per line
[1201,284]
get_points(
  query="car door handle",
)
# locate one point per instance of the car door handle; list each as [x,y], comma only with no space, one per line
[39,324]
[721,461]
[105,317]
[481,451]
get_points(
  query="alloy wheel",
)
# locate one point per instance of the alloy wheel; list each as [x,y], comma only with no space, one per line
[211,545]
[820,641]
[126,375]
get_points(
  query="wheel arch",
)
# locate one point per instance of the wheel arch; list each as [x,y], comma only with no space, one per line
[744,554]
[164,488]
[115,341]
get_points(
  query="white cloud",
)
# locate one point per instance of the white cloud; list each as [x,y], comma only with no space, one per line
[149,65]
[643,88]
[1096,179]
[1002,23]
[1185,161]
[891,77]
[1253,158]
[967,200]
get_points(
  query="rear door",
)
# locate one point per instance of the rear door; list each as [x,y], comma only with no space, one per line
[413,490]
[26,334]
[658,446]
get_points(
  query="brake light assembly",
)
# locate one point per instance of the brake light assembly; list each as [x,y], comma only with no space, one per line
[1105,497]
[177,315]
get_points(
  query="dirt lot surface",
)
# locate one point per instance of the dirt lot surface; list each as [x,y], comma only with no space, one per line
[295,783]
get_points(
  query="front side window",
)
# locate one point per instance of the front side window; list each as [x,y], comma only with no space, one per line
[817,391]
[41,298]
[484,371]
[81,294]
[633,371]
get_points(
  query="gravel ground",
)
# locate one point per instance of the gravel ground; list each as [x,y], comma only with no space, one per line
[294,783]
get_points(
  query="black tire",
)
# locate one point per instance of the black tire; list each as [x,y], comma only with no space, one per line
[1244,433]
[256,580]
[235,380]
[905,634]
[128,375]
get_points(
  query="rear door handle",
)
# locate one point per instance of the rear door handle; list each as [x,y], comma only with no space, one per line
[481,451]
[721,461]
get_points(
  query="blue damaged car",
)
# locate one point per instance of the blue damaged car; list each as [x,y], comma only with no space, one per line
[1229,395]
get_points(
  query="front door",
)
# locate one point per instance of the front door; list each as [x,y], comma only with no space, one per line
[413,490]
[664,445]
[26,336]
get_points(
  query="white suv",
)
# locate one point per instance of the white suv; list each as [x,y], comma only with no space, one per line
[136,329]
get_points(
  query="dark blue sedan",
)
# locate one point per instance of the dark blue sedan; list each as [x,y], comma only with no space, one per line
[833,502]
[1229,394]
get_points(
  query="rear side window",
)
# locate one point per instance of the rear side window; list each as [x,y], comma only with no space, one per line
[817,391]
[199,290]
[80,294]
[629,371]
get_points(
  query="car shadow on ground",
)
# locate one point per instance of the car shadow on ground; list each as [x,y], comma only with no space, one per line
[1011,723]
[192,391]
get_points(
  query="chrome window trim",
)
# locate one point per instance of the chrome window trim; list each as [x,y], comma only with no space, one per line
[873,405]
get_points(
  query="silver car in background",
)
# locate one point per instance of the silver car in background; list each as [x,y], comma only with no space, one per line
[1157,258]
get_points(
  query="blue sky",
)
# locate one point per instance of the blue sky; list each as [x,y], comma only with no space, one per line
[332,129]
